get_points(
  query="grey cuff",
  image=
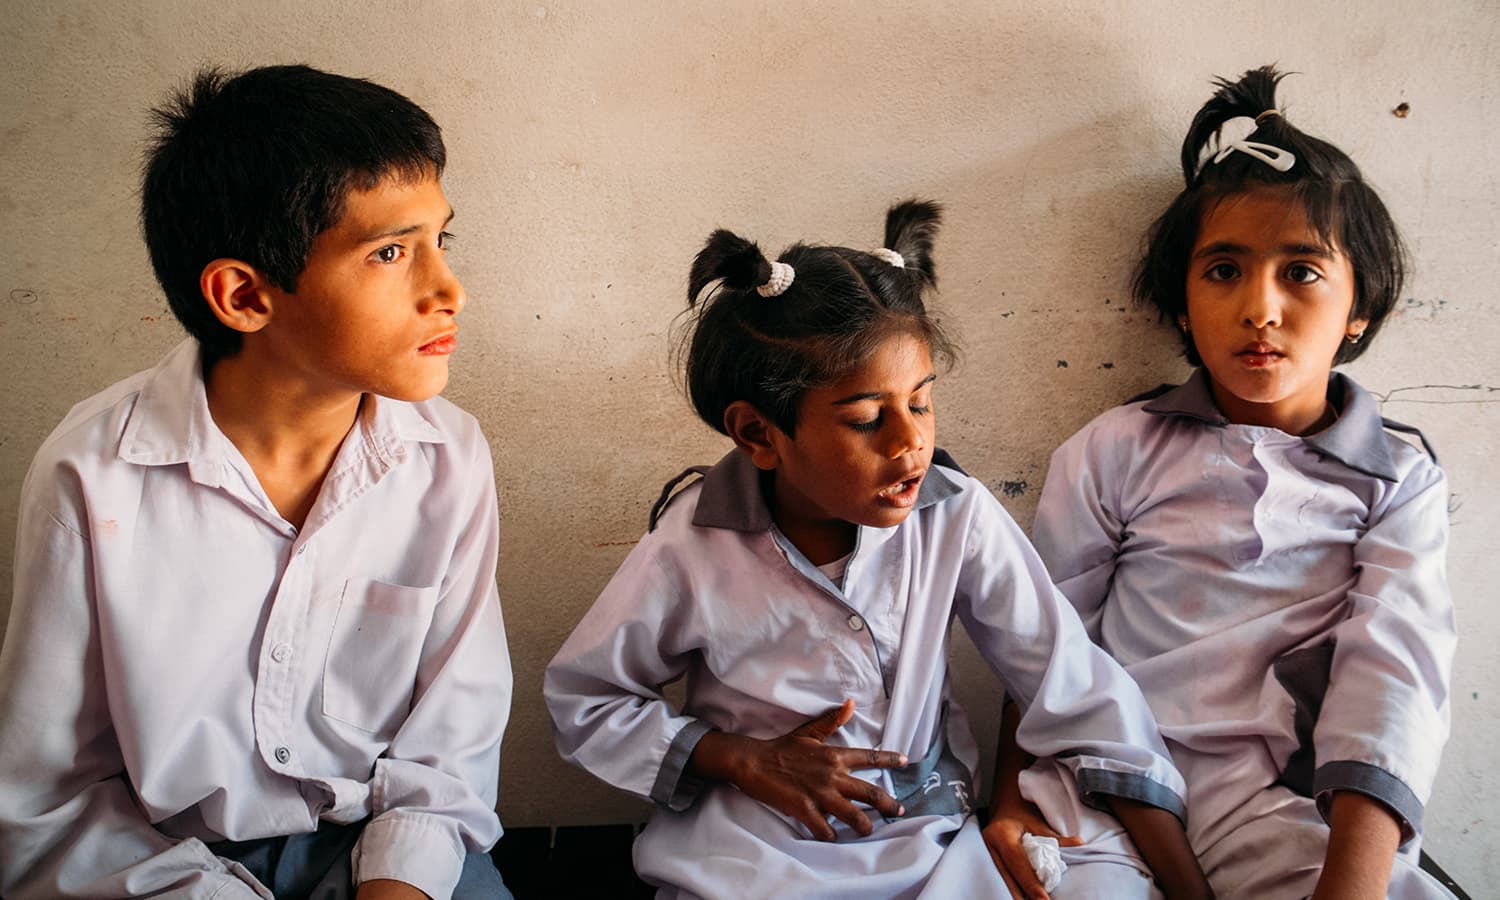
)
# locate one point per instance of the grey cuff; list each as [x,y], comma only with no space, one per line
[1372,781]
[1092,783]
[674,788]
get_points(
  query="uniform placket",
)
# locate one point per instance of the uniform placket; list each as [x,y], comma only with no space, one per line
[276,675]
[854,621]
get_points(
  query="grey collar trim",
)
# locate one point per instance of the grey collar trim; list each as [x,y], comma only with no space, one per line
[731,498]
[1356,439]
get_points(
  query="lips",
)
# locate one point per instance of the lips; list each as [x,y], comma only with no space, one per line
[1260,354]
[903,492]
[441,345]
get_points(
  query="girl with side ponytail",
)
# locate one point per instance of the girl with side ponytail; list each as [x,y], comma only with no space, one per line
[805,589]
[1255,545]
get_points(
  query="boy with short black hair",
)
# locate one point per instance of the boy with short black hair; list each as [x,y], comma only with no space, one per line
[255,646]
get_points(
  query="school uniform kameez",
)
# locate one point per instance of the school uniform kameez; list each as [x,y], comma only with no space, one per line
[717,595]
[1282,603]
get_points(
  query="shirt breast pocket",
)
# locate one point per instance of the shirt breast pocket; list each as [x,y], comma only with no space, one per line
[371,668]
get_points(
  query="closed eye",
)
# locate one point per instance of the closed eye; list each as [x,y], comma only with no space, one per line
[875,423]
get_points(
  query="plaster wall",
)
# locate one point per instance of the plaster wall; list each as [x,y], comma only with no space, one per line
[593,147]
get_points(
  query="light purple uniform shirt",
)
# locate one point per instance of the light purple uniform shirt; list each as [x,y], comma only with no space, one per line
[717,595]
[1281,600]
[183,666]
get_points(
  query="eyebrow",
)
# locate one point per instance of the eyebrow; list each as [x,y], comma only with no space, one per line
[402,231]
[876,395]
[1229,248]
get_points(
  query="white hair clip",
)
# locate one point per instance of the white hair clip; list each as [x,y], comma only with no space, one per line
[1219,145]
[781,279]
[889,256]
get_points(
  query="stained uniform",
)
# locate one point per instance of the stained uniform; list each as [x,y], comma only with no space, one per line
[1282,603]
[716,594]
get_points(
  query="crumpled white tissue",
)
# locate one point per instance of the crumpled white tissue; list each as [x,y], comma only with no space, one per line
[1045,858]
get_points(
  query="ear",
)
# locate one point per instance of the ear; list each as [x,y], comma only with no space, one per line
[1356,328]
[239,295]
[753,433]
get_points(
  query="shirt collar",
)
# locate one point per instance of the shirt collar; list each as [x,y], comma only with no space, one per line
[731,497]
[1356,438]
[170,423]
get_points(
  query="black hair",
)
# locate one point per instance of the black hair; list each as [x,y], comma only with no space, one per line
[253,166]
[1339,205]
[841,305]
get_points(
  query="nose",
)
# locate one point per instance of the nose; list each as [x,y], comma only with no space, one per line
[444,293]
[1261,300]
[904,436]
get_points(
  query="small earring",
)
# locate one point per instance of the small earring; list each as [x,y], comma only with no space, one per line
[1354,338]
[1182,323]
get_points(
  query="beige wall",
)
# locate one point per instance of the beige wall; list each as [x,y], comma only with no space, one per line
[595,144]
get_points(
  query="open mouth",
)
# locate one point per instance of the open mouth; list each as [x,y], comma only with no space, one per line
[904,492]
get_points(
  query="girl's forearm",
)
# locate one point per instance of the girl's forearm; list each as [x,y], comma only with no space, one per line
[1010,760]
[1164,847]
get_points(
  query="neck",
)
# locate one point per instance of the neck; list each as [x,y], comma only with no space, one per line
[1291,417]
[287,433]
[260,412]
[822,540]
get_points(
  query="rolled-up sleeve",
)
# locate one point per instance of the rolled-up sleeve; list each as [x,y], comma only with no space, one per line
[1385,716]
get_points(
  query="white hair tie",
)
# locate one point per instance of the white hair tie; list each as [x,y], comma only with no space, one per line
[889,256]
[781,279]
[1219,145]
[1273,156]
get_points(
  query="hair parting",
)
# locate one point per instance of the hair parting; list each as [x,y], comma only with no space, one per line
[735,344]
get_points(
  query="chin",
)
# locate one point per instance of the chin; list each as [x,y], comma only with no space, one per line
[417,392]
[412,395]
[1257,386]
[888,518]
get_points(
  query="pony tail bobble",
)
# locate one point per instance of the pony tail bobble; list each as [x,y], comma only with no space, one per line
[730,257]
[909,231]
[1252,97]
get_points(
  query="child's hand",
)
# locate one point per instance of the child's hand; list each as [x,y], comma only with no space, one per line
[1003,838]
[799,775]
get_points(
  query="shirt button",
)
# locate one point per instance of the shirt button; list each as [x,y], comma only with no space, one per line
[281,652]
[856,623]
[302,549]
[283,754]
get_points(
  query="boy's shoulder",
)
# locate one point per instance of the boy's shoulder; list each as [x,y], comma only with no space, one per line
[450,419]
[92,430]
[449,435]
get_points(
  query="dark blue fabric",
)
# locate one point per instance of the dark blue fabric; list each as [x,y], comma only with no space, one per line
[317,865]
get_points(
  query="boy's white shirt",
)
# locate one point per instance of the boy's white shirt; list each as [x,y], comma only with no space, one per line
[766,642]
[1200,553]
[179,656]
